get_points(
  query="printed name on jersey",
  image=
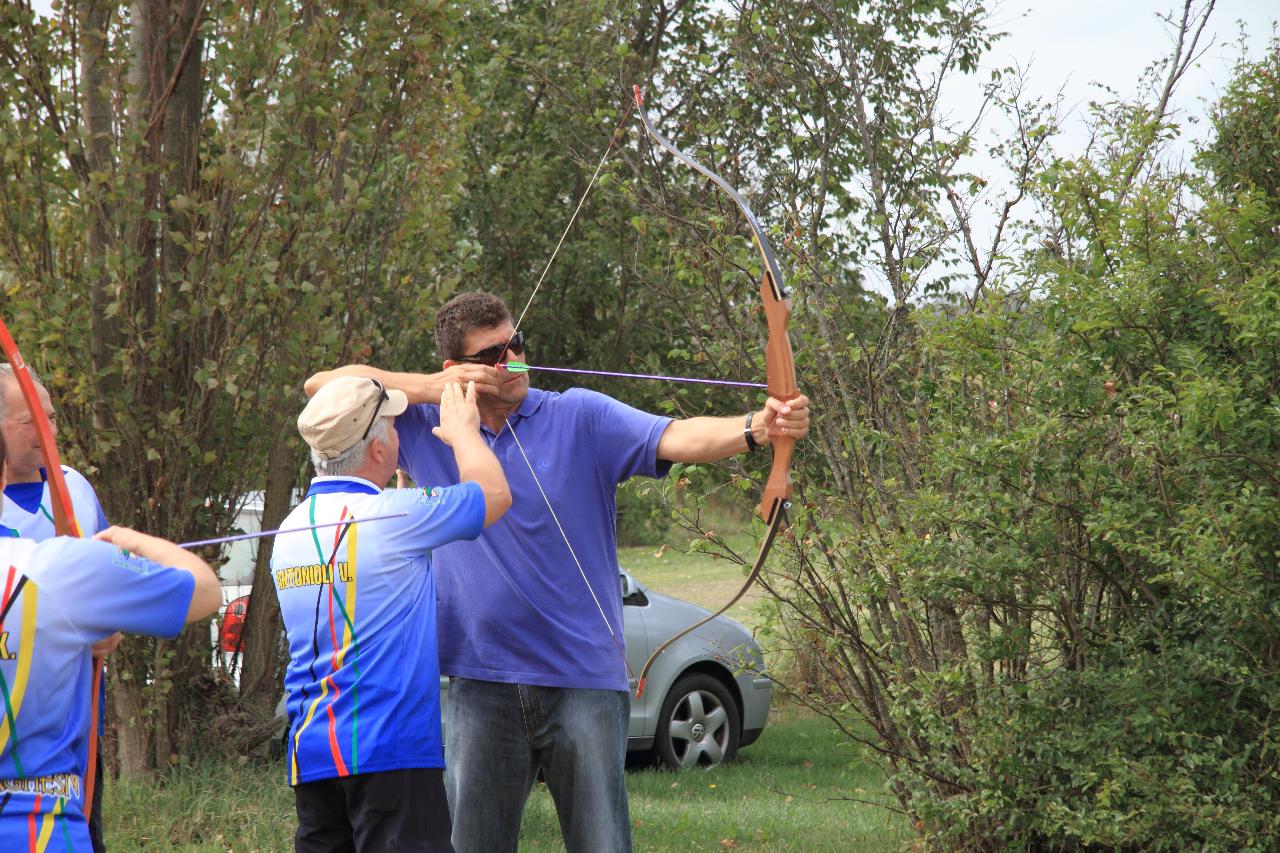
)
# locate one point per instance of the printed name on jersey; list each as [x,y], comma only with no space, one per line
[57,785]
[315,574]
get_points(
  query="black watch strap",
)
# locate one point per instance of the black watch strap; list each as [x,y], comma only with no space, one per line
[752,444]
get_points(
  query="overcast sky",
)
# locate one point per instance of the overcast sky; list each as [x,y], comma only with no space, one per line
[1075,44]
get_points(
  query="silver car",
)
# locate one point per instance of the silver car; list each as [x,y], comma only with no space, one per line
[706,696]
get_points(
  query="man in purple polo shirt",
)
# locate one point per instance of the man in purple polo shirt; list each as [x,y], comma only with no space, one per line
[530,615]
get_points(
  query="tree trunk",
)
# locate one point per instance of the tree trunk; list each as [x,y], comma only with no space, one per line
[131,728]
[262,675]
[95,74]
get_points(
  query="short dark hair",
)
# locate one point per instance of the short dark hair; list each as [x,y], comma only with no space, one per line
[464,313]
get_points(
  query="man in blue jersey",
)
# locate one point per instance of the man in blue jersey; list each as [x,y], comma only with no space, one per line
[58,597]
[359,607]
[531,612]
[28,512]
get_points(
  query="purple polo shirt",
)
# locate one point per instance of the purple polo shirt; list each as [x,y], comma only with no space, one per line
[512,604]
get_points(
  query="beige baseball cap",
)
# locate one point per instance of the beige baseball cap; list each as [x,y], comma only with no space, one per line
[341,413]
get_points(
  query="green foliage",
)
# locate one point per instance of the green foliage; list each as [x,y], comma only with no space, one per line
[176,258]
[1154,745]
[640,520]
[1244,153]
[1059,609]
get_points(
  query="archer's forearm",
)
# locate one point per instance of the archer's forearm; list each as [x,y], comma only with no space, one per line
[418,387]
[707,439]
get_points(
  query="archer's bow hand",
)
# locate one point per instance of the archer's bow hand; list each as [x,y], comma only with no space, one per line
[779,419]
[459,415]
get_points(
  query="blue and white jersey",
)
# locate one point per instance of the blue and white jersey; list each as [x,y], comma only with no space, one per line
[28,508]
[27,511]
[59,597]
[359,608]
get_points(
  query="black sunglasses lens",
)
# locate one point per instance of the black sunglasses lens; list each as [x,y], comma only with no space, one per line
[492,355]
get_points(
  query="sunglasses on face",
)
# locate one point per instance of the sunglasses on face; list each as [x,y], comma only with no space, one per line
[490,356]
[376,408]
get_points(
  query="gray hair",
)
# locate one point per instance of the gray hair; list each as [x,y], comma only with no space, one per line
[7,376]
[353,458]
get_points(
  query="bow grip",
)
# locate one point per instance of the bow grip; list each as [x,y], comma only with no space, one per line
[780,371]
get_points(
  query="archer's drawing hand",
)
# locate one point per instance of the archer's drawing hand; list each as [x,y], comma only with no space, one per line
[459,415]
[486,378]
[127,539]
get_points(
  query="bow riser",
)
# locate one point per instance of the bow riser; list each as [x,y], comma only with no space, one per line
[780,370]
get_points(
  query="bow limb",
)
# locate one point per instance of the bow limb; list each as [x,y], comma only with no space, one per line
[781,379]
[64,524]
[772,271]
[775,524]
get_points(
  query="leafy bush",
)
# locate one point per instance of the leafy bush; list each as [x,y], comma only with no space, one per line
[642,520]
[1056,597]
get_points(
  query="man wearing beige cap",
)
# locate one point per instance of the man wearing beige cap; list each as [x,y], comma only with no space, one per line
[359,605]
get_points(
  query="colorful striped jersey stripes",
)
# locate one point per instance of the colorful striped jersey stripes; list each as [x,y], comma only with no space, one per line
[59,597]
[27,507]
[359,604]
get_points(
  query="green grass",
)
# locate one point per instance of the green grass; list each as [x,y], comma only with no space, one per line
[701,578]
[230,805]
[798,788]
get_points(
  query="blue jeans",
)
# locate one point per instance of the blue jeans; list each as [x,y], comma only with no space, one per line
[497,737]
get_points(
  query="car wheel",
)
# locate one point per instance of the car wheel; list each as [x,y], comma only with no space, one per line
[700,725]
